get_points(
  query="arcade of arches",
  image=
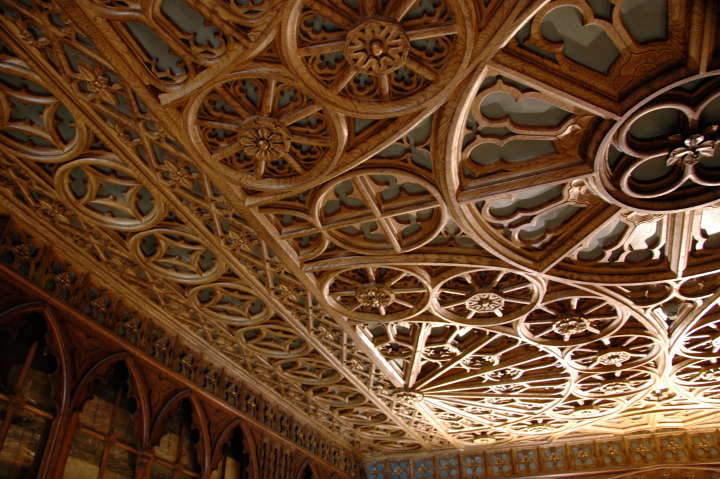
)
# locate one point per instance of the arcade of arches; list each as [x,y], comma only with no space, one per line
[344,239]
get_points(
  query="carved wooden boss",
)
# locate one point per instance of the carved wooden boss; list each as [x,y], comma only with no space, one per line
[417,224]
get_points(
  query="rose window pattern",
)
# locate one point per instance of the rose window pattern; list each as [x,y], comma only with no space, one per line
[414,225]
[378,293]
[486,297]
[263,131]
[566,321]
[392,57]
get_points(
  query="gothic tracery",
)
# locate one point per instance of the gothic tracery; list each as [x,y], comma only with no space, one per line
[436,223]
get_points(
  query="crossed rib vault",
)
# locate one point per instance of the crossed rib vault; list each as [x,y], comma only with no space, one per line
[460,238]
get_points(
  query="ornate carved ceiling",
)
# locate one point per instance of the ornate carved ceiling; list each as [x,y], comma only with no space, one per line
[427,223]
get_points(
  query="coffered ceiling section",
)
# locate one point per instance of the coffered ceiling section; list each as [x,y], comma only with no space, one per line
[427,223]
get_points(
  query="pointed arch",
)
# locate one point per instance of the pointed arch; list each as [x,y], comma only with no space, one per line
[139,390]
[198,421]
[109,426]
[55,340]
[249,447]
[34,391]
[308,470]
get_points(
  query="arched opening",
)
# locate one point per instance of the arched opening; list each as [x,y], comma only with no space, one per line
[234,461]
[106,439]
[29,390]
[176,455]
[307,473]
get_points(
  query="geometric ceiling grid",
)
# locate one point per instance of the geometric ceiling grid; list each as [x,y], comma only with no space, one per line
[439,224]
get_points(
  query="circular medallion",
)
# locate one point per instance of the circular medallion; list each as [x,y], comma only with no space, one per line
[231,303]
[176,254]
[485,297]
[565,319]
[581,408]
[273,340]
[625,382]
[377,293]
[34,124]
[262,131]
[378,59]
[264,139]
[666,154]
[376,47]
[379,211]
[105,192]
[337,395]
[629,348]
[308,371]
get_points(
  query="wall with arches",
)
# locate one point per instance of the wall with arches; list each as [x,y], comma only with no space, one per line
[77,404]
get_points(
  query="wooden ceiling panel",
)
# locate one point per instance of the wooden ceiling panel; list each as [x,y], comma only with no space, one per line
[430,224]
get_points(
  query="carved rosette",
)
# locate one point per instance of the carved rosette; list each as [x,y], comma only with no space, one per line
[551,186]
[418,253]
[489,380]
[538,427]
[582,409]
[377,59]
[626,382]
[485,297]
[630,348]
[377,293]
[376,47]
[260,129]
[572,318]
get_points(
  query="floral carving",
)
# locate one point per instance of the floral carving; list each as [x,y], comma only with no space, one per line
[485,297]
[694,149]
[378,211]
[375,297]
[265,140]
[485,303]
[690,176]
[572,320]
[376,47]
[377,294]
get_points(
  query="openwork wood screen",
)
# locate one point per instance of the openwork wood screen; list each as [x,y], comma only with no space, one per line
[372,227]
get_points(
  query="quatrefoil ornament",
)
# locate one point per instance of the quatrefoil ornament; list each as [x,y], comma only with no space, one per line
[674,168]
